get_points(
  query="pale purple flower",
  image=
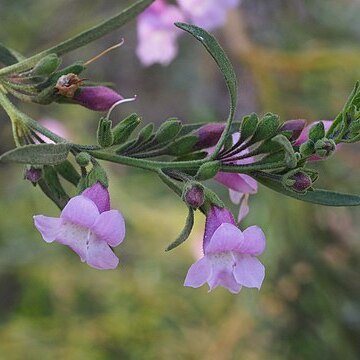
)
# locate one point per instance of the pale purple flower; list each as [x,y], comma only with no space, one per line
[97,98]
[88,227]
[230,255]
[54,126]
[157,35]
[208,14]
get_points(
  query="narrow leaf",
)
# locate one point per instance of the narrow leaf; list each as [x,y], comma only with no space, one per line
[317,196]
[225,66]
[40,154]
[185,233]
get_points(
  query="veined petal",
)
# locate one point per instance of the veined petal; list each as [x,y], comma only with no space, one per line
[75,236]
[110,227]
[198,273]
[227,237]
[254,241]
[222,272]
[249,271]
[81,211]
[99,194]
[49,227]
[99,255]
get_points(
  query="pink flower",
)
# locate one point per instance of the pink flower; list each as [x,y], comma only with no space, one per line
[157,34]
[97,98]
[229,255]
[208,14]
[88,227]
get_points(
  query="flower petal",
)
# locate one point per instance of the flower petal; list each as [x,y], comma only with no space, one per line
[49,227]
[75,236]
[81,211]
[238,182]
[227,237]
[222,272]
[244,208]
[99,194]
[249,271]
[254,241]
[198,273]
[110,227]
[235,196]
[100,256]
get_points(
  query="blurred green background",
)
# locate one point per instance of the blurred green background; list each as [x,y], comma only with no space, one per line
[298,58]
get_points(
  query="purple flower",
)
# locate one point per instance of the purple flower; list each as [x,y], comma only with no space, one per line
[295,126]
[208,135]
[208,14]
[157,35]
[88,227]
[97,98]
[229,255]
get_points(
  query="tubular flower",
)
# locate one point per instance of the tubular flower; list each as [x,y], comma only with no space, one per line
[88,227]
[229,255]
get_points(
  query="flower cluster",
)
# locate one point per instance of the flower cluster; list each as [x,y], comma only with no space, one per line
[157,36]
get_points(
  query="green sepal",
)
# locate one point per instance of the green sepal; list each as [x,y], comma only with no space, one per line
[290,157]
[68,172]
[208,170]
[145,133]
[105,135]
[317,131]
[46,66]
[168,130]
[38,154]
[97,174]
[186,231]
[123,130]
[197,155]
[307,148]
[248,126]
[182,145]
[267,128]
[316,196]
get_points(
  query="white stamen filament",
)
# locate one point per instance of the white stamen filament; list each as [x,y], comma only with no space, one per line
[118,103]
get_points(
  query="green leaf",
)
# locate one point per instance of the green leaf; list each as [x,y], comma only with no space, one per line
[68,172]
[40,154]
[225,66]
[267,128]
[185,233]
[83,38]
[248,126]
[317,196]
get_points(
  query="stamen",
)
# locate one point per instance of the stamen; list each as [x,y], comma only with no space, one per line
[118,103]
[104,52]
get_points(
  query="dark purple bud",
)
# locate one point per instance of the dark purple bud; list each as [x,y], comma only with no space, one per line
[32,174]
[209,135]
[97,98]
[295,126]
[194,196]
[302,182]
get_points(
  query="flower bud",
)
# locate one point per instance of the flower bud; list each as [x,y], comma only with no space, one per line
[208,135]
[47,65]
[83,159]
[105,136]
[298,181]
[33,174]
[325,147]
[295,126]
[194,195]
[97,98]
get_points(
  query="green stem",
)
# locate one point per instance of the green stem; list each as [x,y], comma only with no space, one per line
[252,167]
[81,39]
[146,164]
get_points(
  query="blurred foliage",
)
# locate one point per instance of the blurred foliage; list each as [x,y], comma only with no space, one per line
[298,58]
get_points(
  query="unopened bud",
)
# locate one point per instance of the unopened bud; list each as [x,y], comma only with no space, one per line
[295,126]
[208,135]
[83,159]
[298,181]
[105,134]
[325,147]
[194,195]
[33,174]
